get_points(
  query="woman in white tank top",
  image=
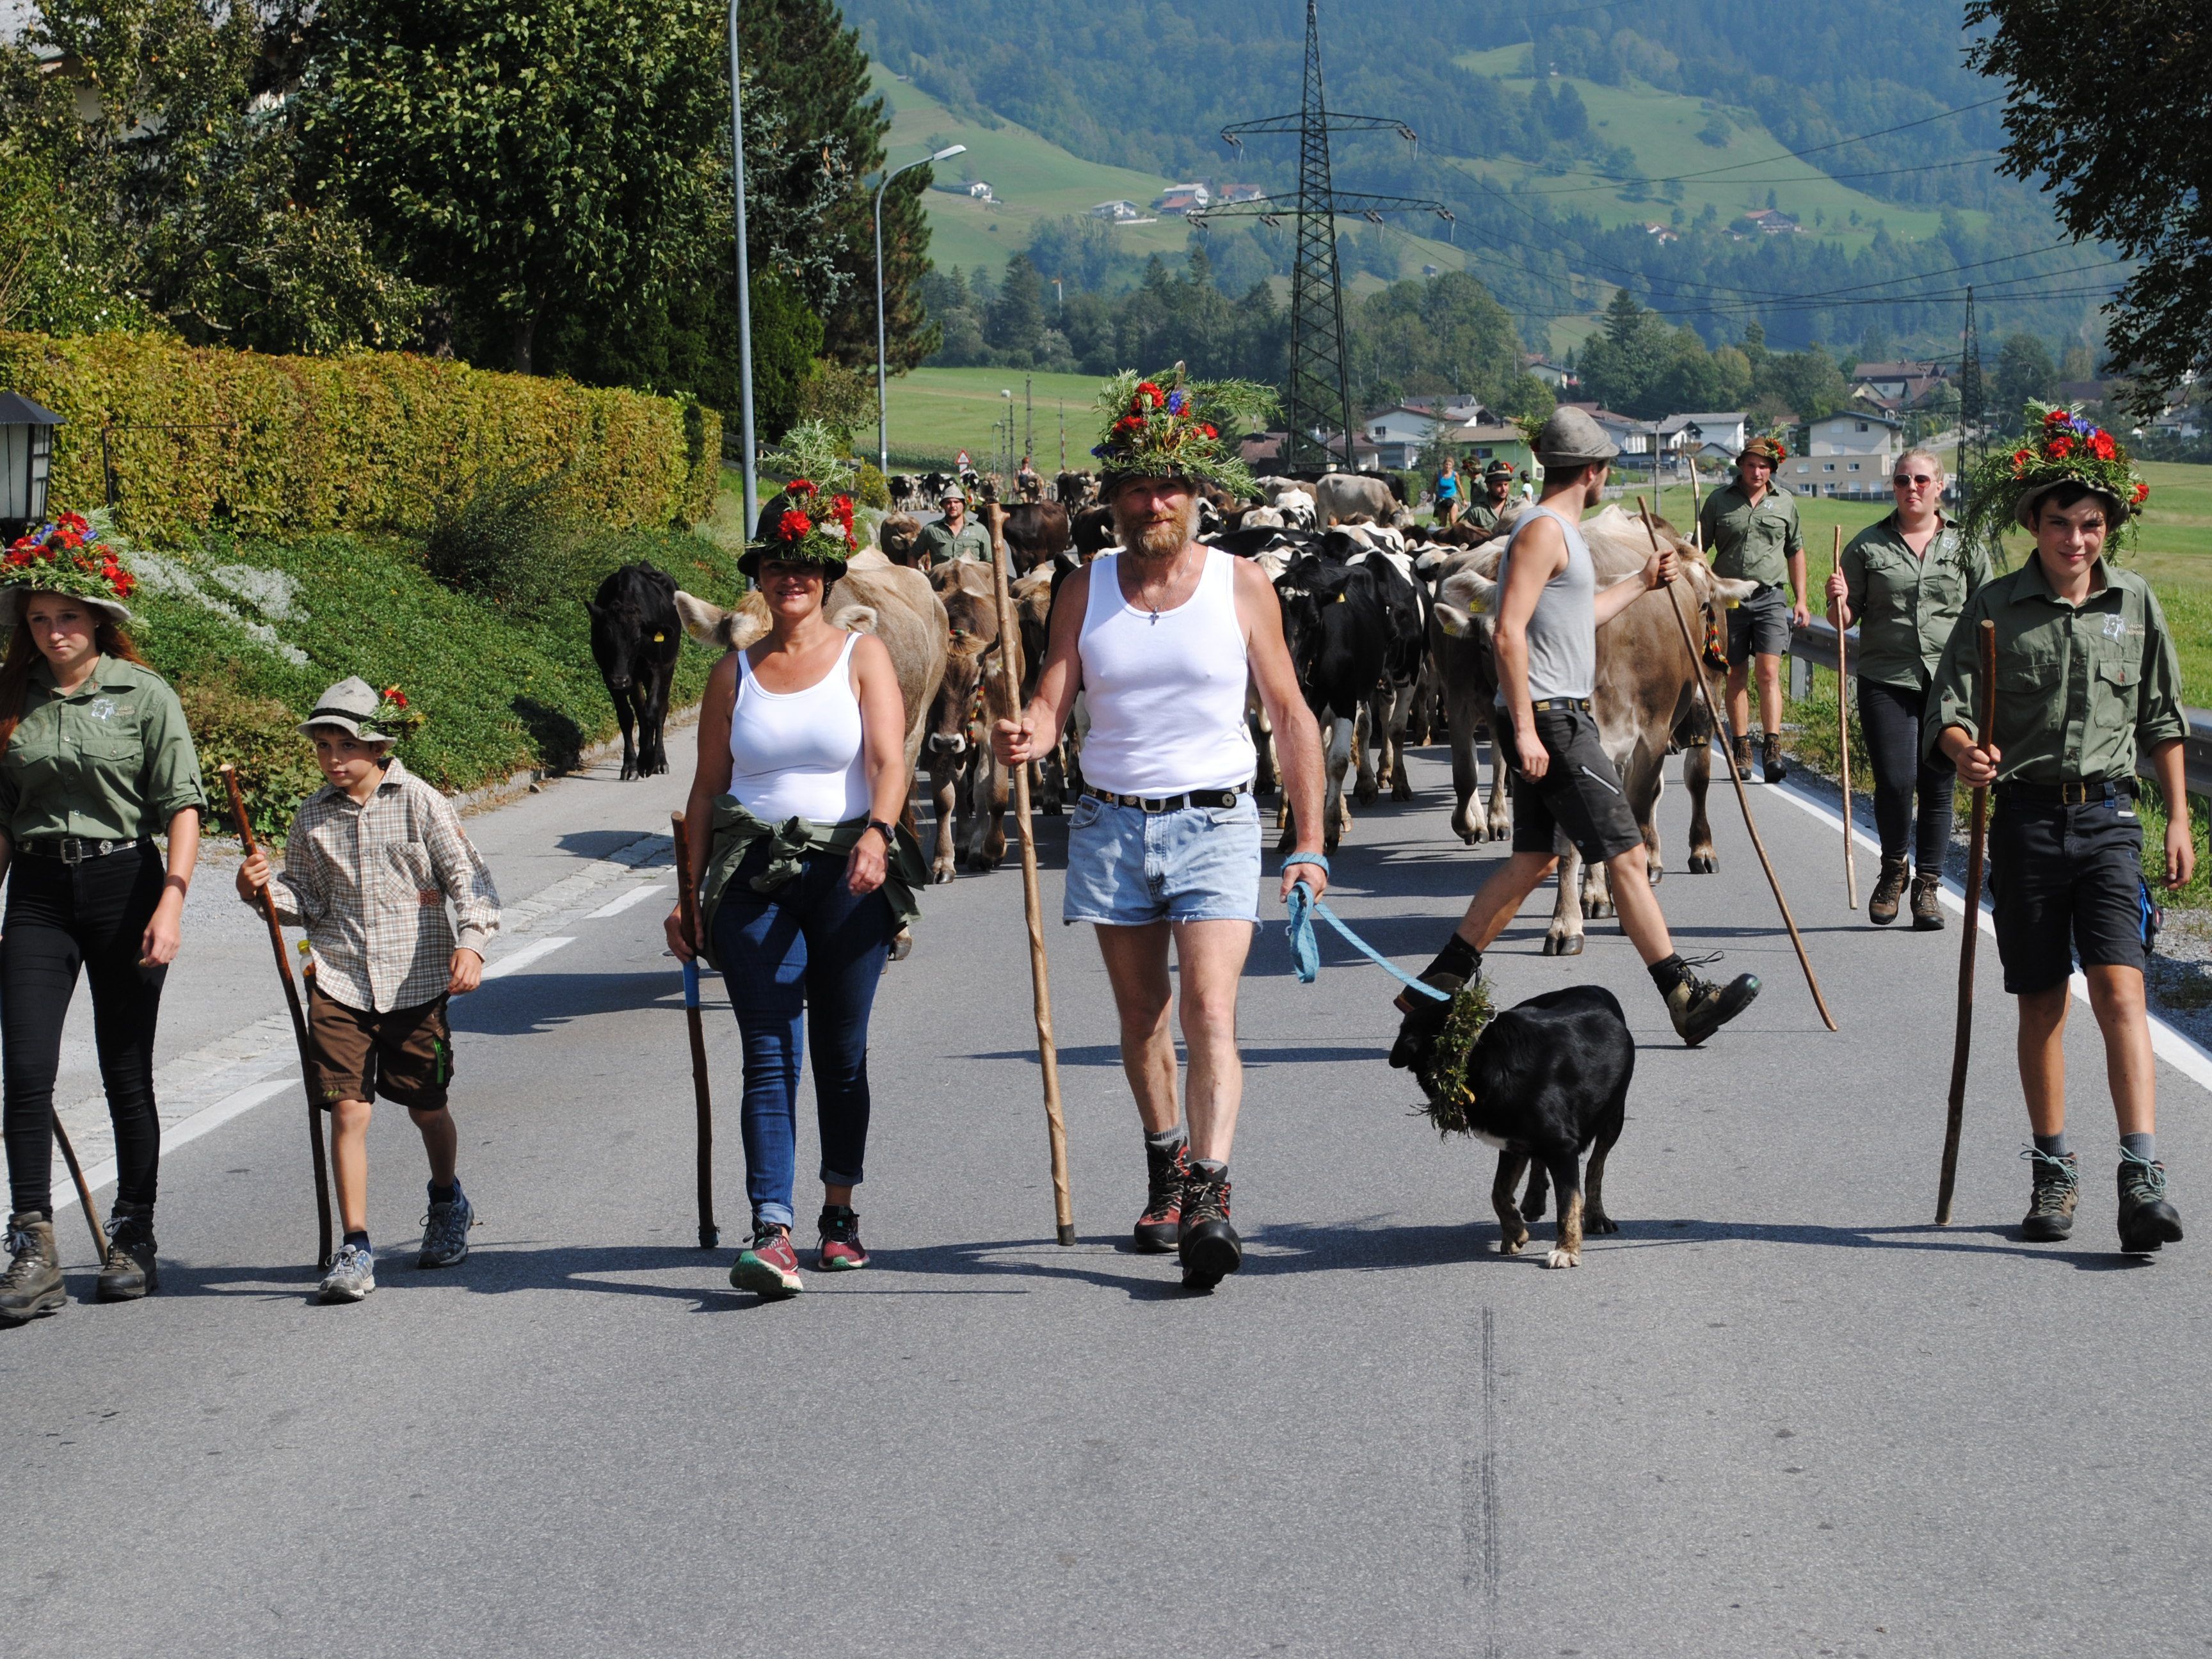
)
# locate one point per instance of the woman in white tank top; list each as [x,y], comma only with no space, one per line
[801,773]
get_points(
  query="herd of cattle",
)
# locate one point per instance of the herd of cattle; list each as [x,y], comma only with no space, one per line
[1388,625]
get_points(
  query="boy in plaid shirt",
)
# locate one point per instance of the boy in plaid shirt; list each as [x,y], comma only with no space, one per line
[371,861]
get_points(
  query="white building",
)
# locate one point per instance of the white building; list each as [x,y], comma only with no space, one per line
[1848,454]
[1120,213]
[1680,435]
[1399,433]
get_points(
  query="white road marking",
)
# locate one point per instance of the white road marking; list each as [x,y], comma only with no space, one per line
[525,957]
[191,1128]
[636,896]
[2175,1047]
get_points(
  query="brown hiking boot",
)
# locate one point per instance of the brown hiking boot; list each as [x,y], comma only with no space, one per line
[2050,1204]
[1881,908]
[32,1284]
[1769,758]
[129,1271]
[1927,900]
[1740,750]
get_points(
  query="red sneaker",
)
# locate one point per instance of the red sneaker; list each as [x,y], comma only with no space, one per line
[771,1267]
[1161,1224]
[841,1249]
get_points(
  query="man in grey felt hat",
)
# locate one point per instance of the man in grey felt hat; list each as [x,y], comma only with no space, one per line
[1549,609]
[372,861]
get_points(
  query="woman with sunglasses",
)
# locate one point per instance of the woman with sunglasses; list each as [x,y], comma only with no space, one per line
[1903,582]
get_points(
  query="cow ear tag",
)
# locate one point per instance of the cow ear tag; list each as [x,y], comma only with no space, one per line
[659,638]
[1339,599]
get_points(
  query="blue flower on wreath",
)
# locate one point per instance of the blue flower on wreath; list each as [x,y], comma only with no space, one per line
[1178,402]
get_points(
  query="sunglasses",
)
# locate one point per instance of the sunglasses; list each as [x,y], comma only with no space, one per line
[1906,480]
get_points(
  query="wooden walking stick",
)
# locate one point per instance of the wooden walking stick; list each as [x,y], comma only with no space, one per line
[83,1192]
[1742,796]
[323,1256]
[1040,984]
[702,1102]
[1844,733]
[1962,1041]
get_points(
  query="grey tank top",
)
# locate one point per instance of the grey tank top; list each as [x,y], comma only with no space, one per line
[1563,632]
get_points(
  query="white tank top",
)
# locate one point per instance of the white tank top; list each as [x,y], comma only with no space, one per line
[1166,690]
[798,754]
[1563,629]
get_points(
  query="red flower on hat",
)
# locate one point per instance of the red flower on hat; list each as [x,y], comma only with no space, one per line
[793,525]
[394,695]
[800,487]
[1151,395]
[1209,432]
[2021,458]
[2056,418]
[2142,490]
[2101,445]
[2061,446]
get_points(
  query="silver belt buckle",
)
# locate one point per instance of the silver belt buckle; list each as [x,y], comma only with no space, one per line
[72,849]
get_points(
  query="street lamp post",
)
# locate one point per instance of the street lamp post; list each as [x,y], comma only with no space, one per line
[883,398]
[745,286]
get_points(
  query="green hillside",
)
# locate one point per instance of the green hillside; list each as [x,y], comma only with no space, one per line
[936,412]
[1662,129]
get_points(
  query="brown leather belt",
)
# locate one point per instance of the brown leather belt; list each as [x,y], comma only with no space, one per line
[2093,791]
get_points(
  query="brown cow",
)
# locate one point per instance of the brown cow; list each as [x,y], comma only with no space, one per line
[1036,533]
[965,777]
[1646,701]
[900,538]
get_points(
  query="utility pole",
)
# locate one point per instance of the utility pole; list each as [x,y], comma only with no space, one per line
[745,286]
[1319,389]
[1974,441]
[1029,417]
[1063,435]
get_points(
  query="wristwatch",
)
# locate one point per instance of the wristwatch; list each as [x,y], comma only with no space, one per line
[887,832]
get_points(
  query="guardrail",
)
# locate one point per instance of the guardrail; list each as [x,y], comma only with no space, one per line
[1814,646]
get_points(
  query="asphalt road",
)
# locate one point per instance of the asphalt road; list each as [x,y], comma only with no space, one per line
[1779,1413]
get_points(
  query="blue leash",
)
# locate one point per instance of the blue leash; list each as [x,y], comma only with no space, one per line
[1305,950]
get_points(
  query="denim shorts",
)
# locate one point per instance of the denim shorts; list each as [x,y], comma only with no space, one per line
[1127,868]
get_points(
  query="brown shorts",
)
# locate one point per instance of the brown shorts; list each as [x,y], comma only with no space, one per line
[406,1055]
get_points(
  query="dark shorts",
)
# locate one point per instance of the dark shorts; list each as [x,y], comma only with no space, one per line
[1760,626]
[406,1055]
[1579,796]
[2066,885]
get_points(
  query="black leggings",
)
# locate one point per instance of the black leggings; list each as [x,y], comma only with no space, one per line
[1890,717]
[61,917]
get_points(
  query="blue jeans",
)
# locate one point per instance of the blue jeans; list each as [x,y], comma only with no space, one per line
[1128,868]
[810,947]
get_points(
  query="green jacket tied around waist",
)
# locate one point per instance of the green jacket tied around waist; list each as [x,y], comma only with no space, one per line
[736,831]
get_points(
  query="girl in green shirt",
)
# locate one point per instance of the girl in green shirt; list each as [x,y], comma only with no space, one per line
[95,760]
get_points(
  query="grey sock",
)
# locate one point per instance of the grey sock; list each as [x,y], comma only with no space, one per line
[2142,1146]
[1214,1168]
[2052,1146]
[1165,1140]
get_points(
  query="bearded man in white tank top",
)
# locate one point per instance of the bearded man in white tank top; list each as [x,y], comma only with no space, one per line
[1549,610]
[1162,638]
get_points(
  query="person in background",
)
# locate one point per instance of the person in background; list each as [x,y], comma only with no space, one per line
[1903,582]
[1027,485]
[1490,511]
[95,760]
[1448,493]
[955,536]
[1750,532]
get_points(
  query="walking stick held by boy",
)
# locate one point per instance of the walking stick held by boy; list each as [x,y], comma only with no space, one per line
[1844,735]
[298,1026]
[687,904]
[1032,902]
[1962,1039]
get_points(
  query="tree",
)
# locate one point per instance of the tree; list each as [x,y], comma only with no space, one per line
[2023,371]
[1622,364]
[1016,320]
[2105,104]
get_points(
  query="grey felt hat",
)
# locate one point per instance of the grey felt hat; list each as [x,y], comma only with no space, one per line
[1570,438]
[351,705]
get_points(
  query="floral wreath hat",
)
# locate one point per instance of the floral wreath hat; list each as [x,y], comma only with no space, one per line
[807,533]
[64,556]
[2062,447]
[1168,427]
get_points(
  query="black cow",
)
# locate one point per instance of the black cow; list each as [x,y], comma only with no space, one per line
[636,634]
[1036,532]
[1337,623]
[1092,531]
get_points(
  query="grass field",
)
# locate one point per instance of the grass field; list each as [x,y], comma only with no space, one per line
[935,412]
[1662,129]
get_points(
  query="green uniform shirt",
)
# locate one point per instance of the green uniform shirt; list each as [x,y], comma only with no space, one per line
[111,761]
[937,541]
[1482,513]
[2082,692]
[1905,604]
[1752,544]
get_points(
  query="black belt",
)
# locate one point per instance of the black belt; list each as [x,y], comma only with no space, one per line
[2095,792]
[75,849]
[1545,705]
[1217,798]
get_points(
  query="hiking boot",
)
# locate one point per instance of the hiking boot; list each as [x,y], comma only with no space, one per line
[770,1267]
[1927,900]
[2058,1188]
[352,1276]
[446,1232]
[1424,1021]
[841,1249]
[1209,1246]
[1769,758]
[1161,1224]
[1699,1007]
[129,1272]
[1889,889]
[32,1284]
[1740,750]
[2147,1220]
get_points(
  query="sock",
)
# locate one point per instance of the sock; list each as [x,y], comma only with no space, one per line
[446,1194]
[2142,1146]
[359,1241]
[1166,1140]
[2052,1145]
[1668,974]
[1457,958]
[1213,1168]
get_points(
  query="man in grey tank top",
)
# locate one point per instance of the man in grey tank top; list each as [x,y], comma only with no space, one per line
[1549,610]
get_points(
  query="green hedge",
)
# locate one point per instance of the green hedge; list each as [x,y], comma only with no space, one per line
[358,442]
